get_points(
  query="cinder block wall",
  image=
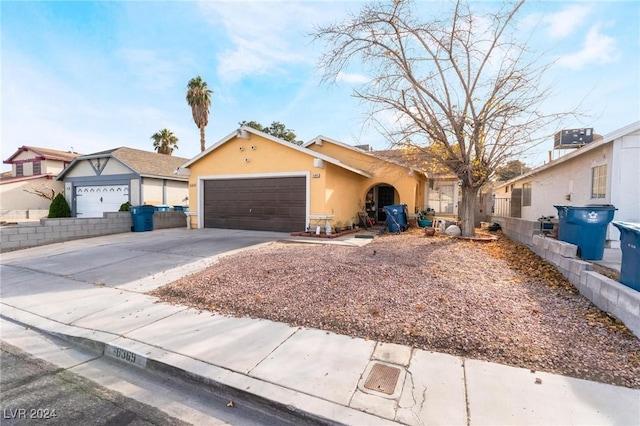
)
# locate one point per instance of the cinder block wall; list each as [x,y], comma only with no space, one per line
[619,300]
[23,214]
[171,219]
[49,231]
[518,230]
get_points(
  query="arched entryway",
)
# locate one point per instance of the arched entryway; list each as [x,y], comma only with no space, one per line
[379,196]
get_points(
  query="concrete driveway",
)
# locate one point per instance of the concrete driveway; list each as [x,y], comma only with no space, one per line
[125,260]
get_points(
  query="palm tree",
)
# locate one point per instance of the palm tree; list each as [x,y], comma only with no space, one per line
[199,99]
[164,141]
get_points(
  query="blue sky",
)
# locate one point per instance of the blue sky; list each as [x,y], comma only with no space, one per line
[99,75]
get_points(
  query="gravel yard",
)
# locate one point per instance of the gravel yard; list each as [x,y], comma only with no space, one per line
[492,301]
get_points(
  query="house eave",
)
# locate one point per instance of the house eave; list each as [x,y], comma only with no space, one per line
[606,139]
[246,129]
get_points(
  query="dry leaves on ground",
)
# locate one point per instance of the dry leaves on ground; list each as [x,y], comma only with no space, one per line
[492,301]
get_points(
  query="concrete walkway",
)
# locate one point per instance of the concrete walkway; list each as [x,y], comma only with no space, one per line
[91,292]
[611,259]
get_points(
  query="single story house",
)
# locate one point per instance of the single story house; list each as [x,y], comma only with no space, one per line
[442,194]
[33,171]
[252,180]
[103,181]
[605,171]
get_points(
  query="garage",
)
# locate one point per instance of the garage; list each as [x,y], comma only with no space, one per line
[263,204]
[93,201]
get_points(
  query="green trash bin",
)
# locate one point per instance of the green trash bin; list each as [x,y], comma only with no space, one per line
[630,247]
[142,218]
[586,227]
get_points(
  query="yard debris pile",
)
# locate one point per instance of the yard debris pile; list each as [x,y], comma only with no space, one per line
[493,301]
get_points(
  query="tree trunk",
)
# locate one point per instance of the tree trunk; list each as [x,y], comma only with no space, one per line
[201,138]
[467,210]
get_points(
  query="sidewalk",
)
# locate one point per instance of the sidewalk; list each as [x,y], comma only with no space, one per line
[611,259]
[90,292]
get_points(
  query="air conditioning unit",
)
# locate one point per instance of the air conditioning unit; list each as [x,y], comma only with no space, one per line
[572,138]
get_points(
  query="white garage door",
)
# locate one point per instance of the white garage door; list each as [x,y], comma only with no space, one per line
[92,201]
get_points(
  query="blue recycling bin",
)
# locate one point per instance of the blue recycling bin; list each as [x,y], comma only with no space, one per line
[586,227]
[162,208]
[396,217]
[142,218]
[630,246]
[566,231]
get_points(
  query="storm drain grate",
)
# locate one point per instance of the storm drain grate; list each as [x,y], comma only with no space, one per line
[382,378]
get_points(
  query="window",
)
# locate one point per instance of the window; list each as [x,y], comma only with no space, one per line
[37,168]
[526,194]
[19,170]
[599,181]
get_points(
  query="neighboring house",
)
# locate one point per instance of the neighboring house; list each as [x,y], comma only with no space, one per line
[252,180]
[605,171]
[103,181]
[32,169]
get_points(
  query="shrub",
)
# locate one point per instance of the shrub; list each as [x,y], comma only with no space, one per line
[125,207]
[59,207]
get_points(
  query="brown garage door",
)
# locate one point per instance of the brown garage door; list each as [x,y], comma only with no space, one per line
[264,204]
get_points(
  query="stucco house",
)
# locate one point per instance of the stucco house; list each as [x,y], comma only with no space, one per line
[252,180]
[605,171]
[103,181]
[33,169]
[442,193]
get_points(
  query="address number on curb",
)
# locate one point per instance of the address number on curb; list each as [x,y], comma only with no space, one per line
[125,355]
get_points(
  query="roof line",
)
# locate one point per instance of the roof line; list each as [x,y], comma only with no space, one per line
[302,149]
[362,151]
[608,138]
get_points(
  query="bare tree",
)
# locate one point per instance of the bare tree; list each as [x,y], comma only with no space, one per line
[43,190]
[459,88]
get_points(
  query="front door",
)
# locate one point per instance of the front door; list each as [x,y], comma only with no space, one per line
[385,198]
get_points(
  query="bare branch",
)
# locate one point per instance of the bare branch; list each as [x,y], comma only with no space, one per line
[464,89]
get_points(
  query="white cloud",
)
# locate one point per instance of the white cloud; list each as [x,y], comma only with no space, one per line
[265,37]
[597,48]
[352,78]
[565,22]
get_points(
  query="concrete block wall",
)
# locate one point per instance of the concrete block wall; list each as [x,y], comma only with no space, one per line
[518,230]
[170,219]
[619,300]
[49,231]
[32,214]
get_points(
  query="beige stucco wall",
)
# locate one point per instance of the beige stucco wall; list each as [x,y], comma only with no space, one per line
[52,166]
[13,196]
[152,191]
[176,192]
[156,191]
[409,186]
[343,194]
[134,192]
[83,168]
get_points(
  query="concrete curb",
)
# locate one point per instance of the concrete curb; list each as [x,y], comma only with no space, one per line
[262,395]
